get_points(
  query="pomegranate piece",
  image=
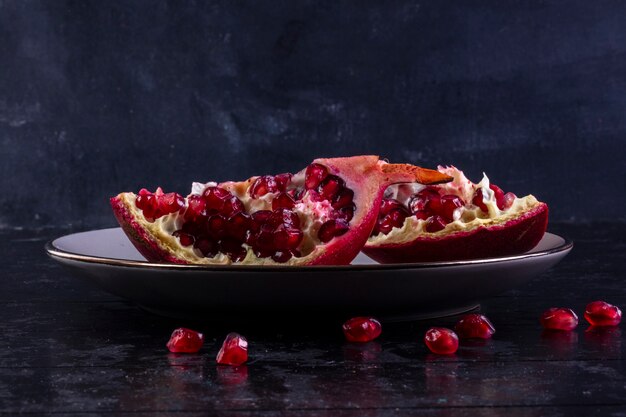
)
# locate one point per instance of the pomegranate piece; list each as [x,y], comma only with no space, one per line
[267,219]
[474,326]
[361,329]
[234,350]
[452,221]
[559,319]
[601,313]
[185,341]
[441,341]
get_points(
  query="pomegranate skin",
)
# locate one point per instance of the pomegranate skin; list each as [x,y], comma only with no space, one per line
[367,176]
[512,237]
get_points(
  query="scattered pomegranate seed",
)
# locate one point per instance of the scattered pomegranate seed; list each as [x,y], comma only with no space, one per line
[185,341]
[601,313]
[474,326]
[314,175]
[234,350]
[361,329]
[441,341]
[559,319]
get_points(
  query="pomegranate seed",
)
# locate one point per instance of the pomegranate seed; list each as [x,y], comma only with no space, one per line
[559,319]
[420,200]
[441,341]
[343,199]
[232,206]
[185,341]
[346,213]
[422,214]
[361,329]
[331,229]
[170,203]
[478,201]
[389,204]
[283,201]
[330,187]
[216,226]
[283,180]
[196,207]
[207,247]
[435,224]
[238,225]
[233,249]
[474,326]
[509,199]
[263,185]
[314,175]
[148,204]
[234,350]
[499,194]
[449,204]
[215,198]
[185,238]
[395,218]
[601,313]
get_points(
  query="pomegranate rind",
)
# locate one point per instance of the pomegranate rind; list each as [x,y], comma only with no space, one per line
[364,175]
[510,236]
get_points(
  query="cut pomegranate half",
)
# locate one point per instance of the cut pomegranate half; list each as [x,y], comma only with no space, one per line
[454,221]
[320,216]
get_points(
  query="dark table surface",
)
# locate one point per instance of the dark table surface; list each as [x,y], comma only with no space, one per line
[70,349]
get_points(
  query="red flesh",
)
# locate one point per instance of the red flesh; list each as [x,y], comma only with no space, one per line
[361,329]
[559,319]
[234,350]
[601,313]
[185,341]
[441,341]
[474,326]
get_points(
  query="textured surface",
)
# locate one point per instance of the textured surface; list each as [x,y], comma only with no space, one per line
[102,97]
[70,349]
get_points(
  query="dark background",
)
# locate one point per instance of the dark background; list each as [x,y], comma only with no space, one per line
[101,97]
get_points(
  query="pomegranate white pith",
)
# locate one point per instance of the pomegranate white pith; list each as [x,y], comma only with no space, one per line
[464,220]
[330,209]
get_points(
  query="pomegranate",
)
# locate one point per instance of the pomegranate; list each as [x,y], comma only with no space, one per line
[601,313]
[441,341]
[320,216]
[559,319]
[474,326]
[454,221]
[361,329]
[185,341]
[234,350]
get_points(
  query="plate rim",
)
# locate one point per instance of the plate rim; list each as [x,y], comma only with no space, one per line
[63,255]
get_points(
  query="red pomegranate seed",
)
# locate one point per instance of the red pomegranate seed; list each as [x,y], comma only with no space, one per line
[170,203]
[387,205]
[185,341]
[215,197]
[263,185]
[331,229]
[441,341]
[196,207]
[435,224]
[147,203]
[422,214]
[559,319]
[499,194]
[601,313]
[314,175]
[474,326]
[330,187]
[283,201]
[509,199]
[185,238]
[478,201]
[449,203]
[208,247]
[346,213]
[283,180]
[234,350]
[232,206]
[420,200]
[361,329]
[238,225]
[343,199]
[281,256]
[233,249]
[216,226]
[395,218]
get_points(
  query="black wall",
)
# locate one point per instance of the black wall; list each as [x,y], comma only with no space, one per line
[98,97]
